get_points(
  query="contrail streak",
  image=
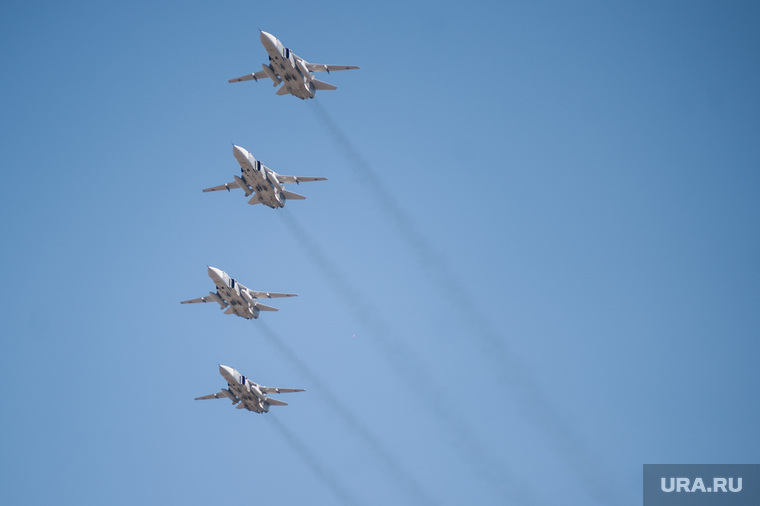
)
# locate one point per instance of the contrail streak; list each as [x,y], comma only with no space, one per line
[400,218]
[403,477]
[411,366]
[511,371]
[335,486]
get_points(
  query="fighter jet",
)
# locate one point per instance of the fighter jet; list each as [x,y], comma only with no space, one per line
[297,73]
[242,301]
[265,184]
[249,395]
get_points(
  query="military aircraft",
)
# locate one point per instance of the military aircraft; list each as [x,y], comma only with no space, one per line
[265,184]
[249,395]
[242,301]
[297,73]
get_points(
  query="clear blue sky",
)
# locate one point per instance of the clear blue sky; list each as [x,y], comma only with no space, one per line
[534,268]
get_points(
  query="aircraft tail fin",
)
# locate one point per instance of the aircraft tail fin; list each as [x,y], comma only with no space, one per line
[292,196]
[321,85]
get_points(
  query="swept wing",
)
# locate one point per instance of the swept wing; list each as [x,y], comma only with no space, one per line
[320,67]
[298,179]
[220,395]
[249,77]
[270,295]
[211,297]
[226,186]
[273,390]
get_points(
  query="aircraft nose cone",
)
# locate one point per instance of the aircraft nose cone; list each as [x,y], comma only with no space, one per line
[214,273]
[267,39]
[239,153]
[227,372]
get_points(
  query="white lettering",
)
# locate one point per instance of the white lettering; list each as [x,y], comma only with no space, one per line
[682,485]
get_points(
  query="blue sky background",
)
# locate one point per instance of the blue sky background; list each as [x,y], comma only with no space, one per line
[534,268]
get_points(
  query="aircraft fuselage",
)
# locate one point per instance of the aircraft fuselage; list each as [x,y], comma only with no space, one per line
[244,390]
[258,178]
[247,394]
[233,294]
[288,67]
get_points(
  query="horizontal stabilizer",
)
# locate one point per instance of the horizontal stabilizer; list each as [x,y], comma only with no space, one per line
[321,85]
[262,307]
[254,200]
[240,406]
[275,402]
[283,91]
[292,196]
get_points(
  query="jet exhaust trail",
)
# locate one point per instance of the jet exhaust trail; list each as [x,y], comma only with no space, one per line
[403,477]
[334,485]
[512,372]
[403,223]
[411,366]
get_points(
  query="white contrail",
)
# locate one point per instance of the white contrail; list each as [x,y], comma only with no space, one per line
[411,366]
[511,371]
[335,486]
[402,476]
